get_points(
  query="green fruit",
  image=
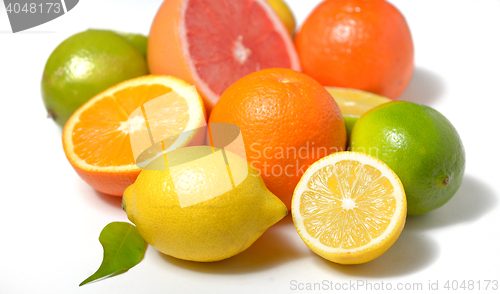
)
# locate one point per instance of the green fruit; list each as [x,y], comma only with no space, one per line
[84,65]
[349,121]
[137,40]
[420,145]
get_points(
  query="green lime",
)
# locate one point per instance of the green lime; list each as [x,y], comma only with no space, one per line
[137,40]
[420,145]
[84,65]
[349,121]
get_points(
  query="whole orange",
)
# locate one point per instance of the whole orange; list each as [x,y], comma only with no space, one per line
[287,120]
[361,44]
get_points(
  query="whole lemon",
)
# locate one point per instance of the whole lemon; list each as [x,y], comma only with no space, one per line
[196,209]
[420,145]
[84,65]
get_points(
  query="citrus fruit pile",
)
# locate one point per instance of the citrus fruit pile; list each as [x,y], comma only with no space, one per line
[277,121]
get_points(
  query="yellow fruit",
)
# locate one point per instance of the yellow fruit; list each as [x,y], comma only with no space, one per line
[201,209]
[349,207]
[285,14]
[354,103]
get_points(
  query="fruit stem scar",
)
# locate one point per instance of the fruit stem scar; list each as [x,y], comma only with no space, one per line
[51,114]
[446,181]
[240,52]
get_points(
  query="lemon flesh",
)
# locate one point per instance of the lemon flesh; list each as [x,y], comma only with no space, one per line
[349,207]
[420,145]
[201,209]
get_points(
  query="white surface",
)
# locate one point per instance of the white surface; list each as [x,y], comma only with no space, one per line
[51,219]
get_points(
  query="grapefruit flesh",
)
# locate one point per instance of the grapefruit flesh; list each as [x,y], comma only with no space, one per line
[212,44]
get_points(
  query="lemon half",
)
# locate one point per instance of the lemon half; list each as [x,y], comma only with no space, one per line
[349,207]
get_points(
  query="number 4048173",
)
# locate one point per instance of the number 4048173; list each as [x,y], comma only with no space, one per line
[34,8]
[471,285]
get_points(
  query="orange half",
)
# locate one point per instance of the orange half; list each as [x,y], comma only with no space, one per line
[96,138]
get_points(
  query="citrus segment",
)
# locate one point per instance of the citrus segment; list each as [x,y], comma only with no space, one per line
[211,44]
[349,207]
[96,138]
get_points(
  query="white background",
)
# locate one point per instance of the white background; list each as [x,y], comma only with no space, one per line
[51,219]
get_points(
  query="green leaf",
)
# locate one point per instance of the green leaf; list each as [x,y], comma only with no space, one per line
[123,248]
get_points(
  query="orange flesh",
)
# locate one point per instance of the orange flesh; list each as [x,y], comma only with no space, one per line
[98,138]
[347,205]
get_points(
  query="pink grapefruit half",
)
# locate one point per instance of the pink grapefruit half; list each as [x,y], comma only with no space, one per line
[213,43]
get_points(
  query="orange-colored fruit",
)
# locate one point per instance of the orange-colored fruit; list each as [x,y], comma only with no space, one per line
[287,120]
[96,138]
[211,44]
[361,44]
